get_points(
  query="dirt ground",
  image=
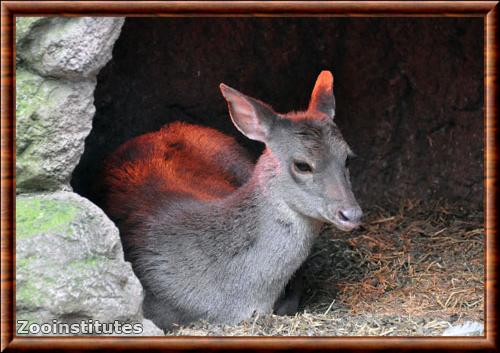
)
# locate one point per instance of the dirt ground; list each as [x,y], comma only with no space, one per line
[411,269]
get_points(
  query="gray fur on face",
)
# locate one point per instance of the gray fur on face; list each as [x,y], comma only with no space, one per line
[223,254]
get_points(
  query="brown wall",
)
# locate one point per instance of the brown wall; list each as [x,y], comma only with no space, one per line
[409,91]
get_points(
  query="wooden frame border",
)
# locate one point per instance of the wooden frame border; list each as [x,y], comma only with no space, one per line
[9,9]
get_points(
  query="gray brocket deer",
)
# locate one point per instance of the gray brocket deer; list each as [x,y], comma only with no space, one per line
[210,235]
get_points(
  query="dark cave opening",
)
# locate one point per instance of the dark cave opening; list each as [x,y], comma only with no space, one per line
[409,92]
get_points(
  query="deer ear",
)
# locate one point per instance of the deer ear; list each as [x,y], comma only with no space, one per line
[322,99]
[251,117]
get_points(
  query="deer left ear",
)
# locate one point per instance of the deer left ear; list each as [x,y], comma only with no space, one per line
[322,98]
[252,117]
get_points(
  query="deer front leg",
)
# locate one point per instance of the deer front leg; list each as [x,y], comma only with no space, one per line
[288,302]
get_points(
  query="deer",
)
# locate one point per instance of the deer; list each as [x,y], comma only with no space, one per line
[213,236]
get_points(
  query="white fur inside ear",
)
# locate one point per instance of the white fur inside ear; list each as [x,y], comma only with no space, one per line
[244,111]
[244,114]
[248,115]
[246,120]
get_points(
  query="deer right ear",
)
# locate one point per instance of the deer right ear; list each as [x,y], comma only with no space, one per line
[251,117]
[322,99]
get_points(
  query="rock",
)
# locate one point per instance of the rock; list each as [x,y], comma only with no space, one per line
[468,328]
[58,59]
[70,265]
[70,48]
[53,118]
[24,26]
[69,258]
[150,329]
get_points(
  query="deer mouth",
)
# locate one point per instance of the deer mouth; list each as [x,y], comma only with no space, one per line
[343,224]
[346,225]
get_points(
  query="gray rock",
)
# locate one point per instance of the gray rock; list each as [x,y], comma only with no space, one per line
[24,26]
[69,258]
[70,48]
[53,118]
[58,59]
[70,266]
[150,329]
[468,328]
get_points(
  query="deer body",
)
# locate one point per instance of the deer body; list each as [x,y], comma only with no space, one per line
[248,250]
[213,237]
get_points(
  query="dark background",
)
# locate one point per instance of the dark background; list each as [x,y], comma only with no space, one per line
[409,92]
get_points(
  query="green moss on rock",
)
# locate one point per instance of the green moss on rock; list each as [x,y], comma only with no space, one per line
[24,26]
[21,264]
[87,263]
[36,216]
[29,96]
[28,294]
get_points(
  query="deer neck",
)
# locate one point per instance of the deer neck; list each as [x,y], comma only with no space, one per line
[267,220]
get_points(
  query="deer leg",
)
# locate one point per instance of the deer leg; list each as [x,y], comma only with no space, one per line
[288,302]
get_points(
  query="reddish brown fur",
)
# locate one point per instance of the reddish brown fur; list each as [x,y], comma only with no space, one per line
[192,161]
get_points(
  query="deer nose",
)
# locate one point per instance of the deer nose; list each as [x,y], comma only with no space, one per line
[351,214]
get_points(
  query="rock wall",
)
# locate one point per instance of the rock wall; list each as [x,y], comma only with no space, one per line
[69,264]
[56,66]
[409,92]
[69,258]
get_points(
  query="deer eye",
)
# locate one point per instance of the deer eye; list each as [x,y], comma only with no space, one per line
[302,167]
